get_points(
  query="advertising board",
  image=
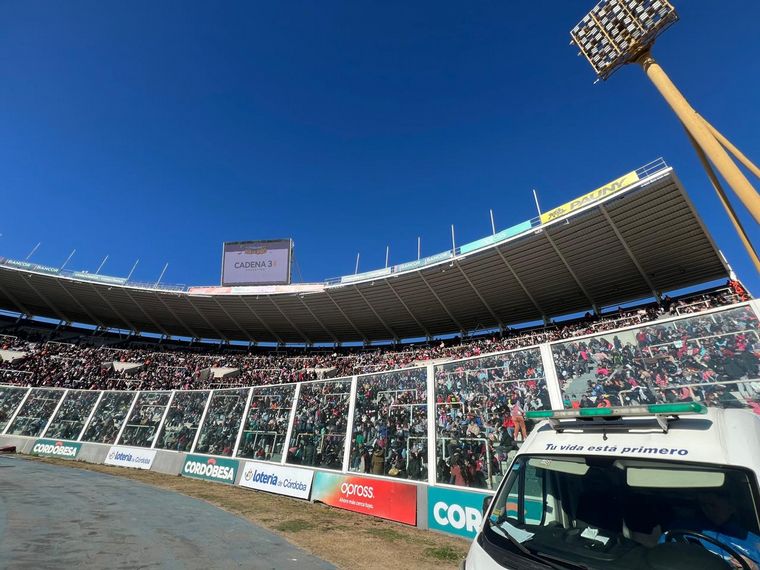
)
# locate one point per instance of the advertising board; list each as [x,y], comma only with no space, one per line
[365,275]
[108,279]
[217,469]
[277,479]
[263,262]
[258,289]
[597,195]
[56,448]
[455,511]
[496,238]
[130,457]
[376,497]
[31,266]
[409,265]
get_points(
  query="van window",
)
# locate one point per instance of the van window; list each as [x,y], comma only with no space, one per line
[600,512]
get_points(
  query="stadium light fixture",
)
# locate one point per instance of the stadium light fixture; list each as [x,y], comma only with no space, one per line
[618,32]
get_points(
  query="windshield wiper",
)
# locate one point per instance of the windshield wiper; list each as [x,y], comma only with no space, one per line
[525,551]
[553,561]
[565,563]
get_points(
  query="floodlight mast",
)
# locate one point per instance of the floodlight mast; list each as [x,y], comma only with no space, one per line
[619,32]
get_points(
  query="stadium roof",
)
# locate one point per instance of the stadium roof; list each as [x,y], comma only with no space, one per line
[632,238]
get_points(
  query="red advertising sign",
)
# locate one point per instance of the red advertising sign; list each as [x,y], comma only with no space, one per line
[376,497]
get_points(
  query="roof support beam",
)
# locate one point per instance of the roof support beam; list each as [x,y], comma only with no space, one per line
[130,326]
[241,329]
[345,316]
[295,328]
[19,305]
[321,324]
[147,316]
[520,282]
[440,302]
[193,334]
[482,300]
[570,270]
[263,324]
[45,300]
[80,305]
[403,304]
[700,221]
[627,249]
[212,327]
[379,318]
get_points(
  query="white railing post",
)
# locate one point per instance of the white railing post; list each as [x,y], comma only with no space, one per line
[163,419]
[243,420]
[755,304]
[203,419]
[291,421]
[89,416]
[349,426]
[431,423]
[552,381]
[55,411]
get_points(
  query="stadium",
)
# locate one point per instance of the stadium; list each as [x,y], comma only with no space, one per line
[402,393]
[434,414]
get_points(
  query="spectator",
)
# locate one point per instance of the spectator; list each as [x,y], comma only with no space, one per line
[378,461]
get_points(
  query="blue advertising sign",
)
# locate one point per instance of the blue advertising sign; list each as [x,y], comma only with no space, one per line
[99,278]
[366,275]
[454,511]
[422,262]
[31,266]
[461,511]
[496,238]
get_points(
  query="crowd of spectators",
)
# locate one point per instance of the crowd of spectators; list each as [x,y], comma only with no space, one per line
[713,358]
[145,418]
[266,424]
[480,414]
[35,412]
[319,427]
[390,425]
[10,398]
[88,361]
[182,420]
[108,418]
[71,416]
[480,402]
[222,422]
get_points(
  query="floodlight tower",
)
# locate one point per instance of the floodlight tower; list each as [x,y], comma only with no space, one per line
[618,32]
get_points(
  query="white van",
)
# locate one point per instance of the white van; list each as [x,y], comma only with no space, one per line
[665,486]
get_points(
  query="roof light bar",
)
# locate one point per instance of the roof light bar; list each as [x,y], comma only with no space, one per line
[620,411]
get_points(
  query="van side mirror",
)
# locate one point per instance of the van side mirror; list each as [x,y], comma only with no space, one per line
[486,503]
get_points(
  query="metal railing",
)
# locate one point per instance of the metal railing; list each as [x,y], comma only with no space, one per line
[748,385]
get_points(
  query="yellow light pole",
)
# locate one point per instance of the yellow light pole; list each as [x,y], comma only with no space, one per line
[726,203]
[618,32]
[697,128]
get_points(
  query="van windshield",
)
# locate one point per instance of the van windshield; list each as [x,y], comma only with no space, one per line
[600,512]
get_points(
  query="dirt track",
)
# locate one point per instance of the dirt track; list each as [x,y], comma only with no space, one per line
[346,539]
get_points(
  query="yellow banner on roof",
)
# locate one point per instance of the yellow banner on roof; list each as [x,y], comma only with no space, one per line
[600,193]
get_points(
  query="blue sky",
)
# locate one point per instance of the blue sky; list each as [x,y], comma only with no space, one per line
[158,130]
